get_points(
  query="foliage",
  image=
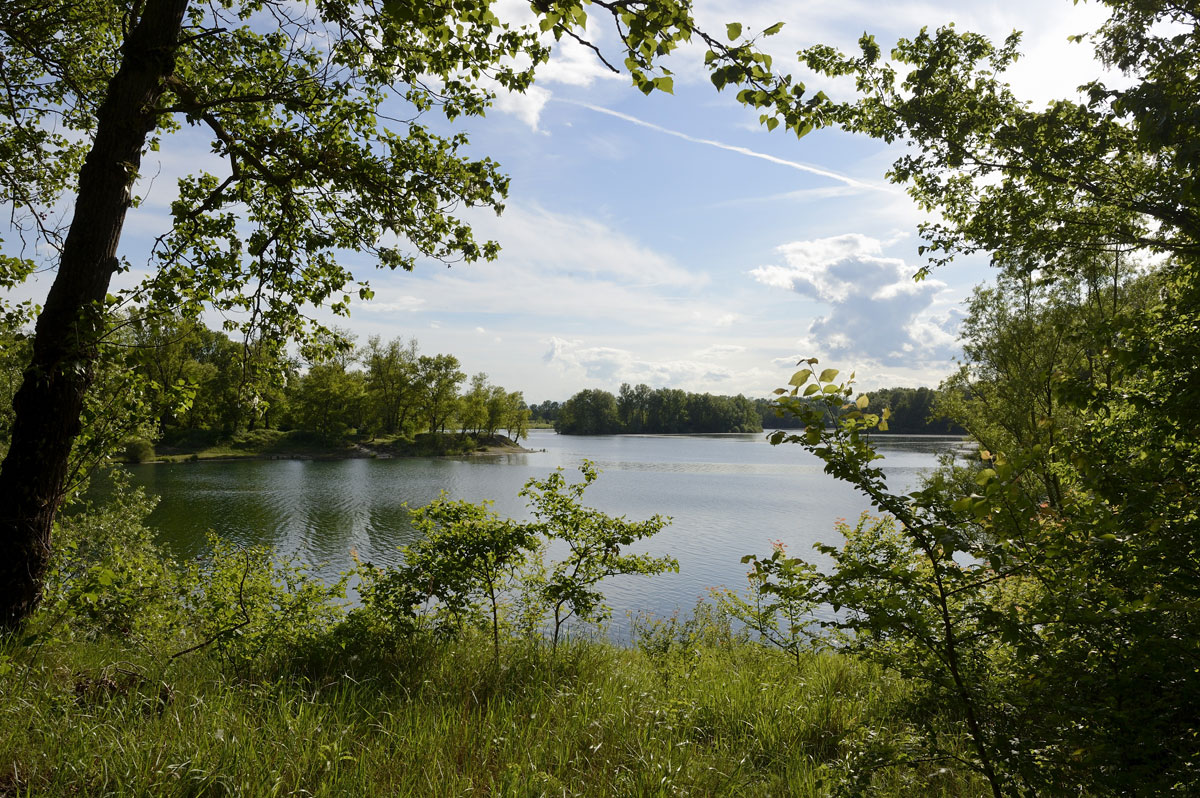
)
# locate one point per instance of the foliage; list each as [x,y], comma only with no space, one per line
[329,400]
[255,609]
[919,602]
[778,603]
[470,564]
[138,450]
[325,149]
[593,540]
[485,409]
[642,410]
[207,391]
[440,377]
[676,644]
[911,411]
[1048,592]
[392,384]
[589,412]
[108,577]
[467,554]
[546,412]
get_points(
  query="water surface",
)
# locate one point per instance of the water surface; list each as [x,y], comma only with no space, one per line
[728,495]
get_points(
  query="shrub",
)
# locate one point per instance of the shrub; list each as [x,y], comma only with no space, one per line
[138,450]
[107,576]
[258,610]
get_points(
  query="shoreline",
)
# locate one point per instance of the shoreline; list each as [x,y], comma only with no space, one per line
[497,446]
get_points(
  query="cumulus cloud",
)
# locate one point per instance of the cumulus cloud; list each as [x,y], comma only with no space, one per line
[875,309]
[526,106]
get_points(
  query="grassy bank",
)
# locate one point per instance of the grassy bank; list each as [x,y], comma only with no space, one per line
[724,718]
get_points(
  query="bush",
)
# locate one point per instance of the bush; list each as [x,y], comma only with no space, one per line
[259,611]
[138,450]
[107,576]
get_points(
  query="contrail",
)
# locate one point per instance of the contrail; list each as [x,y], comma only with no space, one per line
[803,167]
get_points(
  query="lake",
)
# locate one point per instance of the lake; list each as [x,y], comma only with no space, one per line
[728,495]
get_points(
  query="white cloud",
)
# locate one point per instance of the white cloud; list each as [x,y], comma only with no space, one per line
[559,244]
[526,106]
[1052,67]
[572,64]
[875,309]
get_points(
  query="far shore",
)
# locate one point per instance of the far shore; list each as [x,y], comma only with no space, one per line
[282,447]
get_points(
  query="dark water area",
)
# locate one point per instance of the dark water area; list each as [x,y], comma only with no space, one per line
[728,495]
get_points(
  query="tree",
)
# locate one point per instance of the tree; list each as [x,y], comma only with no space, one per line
[632,404]
[546,412]
[309,167]
[467,552]
[392,382]
[592,411]
[440,377]
[328,399]
[1049,598]
[593,540]
[473,405]
[298,101]
[515,416]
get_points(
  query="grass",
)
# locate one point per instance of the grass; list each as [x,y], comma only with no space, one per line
[596,719]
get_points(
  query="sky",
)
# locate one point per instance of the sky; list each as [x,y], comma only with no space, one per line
[672,240]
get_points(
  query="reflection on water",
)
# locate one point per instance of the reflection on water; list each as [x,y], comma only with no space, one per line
[728,495]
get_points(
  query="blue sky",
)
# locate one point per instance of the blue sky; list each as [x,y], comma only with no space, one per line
[671,240]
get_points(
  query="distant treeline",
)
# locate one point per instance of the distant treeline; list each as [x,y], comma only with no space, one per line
[643,409]
[668,410]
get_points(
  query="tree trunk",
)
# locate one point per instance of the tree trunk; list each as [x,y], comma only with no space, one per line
[48,405]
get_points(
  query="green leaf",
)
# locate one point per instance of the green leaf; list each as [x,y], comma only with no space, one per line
[771,31]
[733,30]
[828,374]
[800,377]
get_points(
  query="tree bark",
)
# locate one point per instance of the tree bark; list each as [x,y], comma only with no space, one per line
[49,403]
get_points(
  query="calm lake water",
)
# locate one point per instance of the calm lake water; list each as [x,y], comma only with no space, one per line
[728,496]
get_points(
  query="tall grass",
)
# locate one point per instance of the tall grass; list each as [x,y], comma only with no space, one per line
[444,720]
